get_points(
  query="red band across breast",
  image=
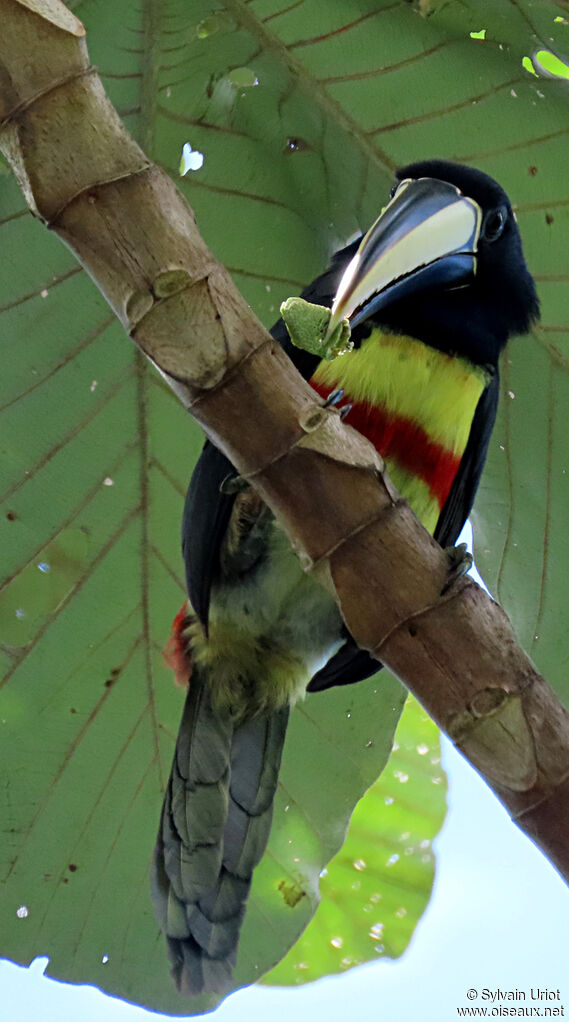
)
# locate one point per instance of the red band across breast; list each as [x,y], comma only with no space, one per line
[402,440]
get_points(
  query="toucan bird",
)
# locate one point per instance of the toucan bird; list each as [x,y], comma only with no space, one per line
[433,291]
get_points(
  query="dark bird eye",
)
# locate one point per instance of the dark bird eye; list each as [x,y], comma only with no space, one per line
[494,223]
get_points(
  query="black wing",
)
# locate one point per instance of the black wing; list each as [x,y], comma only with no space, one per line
[461,497]
[204,522]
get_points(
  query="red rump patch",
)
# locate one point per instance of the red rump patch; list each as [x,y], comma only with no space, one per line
[402,440]
[176,655]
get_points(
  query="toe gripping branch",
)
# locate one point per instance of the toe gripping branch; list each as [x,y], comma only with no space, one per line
[460,563]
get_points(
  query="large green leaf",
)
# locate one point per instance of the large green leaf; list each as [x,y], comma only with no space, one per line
[379,884]
[301,111]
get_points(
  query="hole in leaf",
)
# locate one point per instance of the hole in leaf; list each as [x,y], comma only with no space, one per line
[546,64]
[191,159]
[296,145]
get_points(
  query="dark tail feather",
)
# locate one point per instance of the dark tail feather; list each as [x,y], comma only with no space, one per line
[214,828]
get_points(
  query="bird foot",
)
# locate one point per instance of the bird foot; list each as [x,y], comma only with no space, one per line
[460,563]
[234,484]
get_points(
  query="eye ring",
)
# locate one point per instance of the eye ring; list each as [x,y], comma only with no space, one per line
[494,223]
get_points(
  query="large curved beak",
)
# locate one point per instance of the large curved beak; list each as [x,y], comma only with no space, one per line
[427,236]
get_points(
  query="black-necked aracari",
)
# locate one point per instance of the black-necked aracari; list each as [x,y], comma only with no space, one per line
[433,291]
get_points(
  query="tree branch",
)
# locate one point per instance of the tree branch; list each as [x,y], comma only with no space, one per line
[88,181]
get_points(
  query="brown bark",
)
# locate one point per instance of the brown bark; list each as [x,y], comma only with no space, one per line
[135,235]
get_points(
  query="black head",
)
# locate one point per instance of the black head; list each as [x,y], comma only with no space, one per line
[475,320]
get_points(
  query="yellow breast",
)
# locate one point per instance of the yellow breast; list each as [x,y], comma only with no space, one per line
[416,405]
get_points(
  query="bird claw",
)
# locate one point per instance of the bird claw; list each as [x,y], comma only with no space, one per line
[333,398]
[233,484]
[460,563]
